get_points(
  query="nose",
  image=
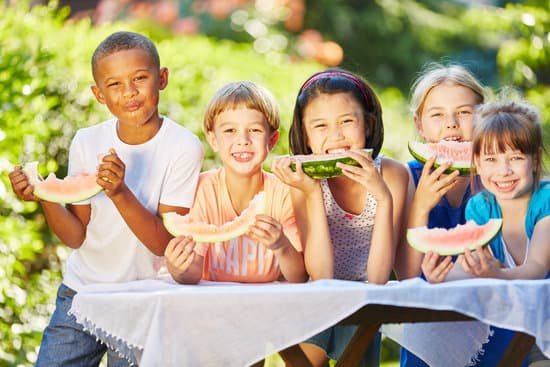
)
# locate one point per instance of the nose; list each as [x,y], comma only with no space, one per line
[336,132]
[504,167]
[451,121]
[129,90]
[243,138]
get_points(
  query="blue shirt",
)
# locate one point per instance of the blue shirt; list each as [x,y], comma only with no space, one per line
[484,206]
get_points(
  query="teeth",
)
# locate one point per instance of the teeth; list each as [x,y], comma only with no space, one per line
[243,155]
[338,150]
[504,184]
[453,138]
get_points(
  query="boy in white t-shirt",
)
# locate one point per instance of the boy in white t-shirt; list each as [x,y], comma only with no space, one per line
[241,124]
[152,167]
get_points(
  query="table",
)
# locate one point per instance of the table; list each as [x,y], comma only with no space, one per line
[158,322]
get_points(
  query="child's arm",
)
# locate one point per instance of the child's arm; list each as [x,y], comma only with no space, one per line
[390,191]
[269,233]
[309,210]
[147,226]
[482,263]
[68,223]
[182,262]
[432,186]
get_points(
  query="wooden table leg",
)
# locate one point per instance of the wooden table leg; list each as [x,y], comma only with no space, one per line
[294,357]
[258,364]
[359,343]
[517,350]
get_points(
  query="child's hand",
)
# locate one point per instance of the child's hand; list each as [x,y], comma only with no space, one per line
[432,186]
[367,174]
[299,180]
[21,185]
[267,231]
[179,255]
[110,174]
[480,263]
[435,268]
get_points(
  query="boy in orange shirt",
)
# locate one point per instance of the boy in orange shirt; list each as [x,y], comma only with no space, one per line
[241,124]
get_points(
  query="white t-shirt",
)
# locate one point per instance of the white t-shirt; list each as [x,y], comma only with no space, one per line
[164,170]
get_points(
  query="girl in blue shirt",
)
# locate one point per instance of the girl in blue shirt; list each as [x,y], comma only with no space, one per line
[507,150]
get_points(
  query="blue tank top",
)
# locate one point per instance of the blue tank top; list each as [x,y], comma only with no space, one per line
[443,215]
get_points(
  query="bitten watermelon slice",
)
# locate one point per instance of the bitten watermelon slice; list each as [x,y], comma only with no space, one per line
[183,225]
[68,190]
[460,153]
[455,240]
[319,166]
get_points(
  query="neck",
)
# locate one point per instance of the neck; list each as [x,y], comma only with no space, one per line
[133,134]
[242,189]
[515,208]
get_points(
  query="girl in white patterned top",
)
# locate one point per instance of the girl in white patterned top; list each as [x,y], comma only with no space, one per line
[351,224]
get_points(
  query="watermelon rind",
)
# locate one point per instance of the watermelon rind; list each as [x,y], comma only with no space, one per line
[31,170]
[323,166]
[182,225]
[421,152]
[426,239]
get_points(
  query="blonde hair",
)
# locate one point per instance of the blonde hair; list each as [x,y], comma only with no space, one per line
[435,74]
[511,124]
[242,94]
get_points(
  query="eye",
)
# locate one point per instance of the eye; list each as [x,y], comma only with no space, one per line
[228,131]
[348,121]
[319,125]
[436,115]
[140,77]
[518,157]
[112,84]
[464,113]
[488,159]
[256,130]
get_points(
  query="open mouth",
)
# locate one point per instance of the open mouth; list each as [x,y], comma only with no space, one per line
[453,138]
[242,156]
[337,150]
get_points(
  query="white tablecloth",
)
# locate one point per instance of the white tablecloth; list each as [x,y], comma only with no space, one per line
[160,323]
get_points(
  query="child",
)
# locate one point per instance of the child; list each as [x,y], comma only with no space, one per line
[152,167]
[507,155]
[351,223]
[443,103]
[241,124]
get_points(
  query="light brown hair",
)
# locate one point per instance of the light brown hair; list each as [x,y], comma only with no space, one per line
[242,94]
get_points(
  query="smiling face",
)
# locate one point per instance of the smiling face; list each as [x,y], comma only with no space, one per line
[128,82]
[447,113]
[334,123]
[242,138]
[508,174]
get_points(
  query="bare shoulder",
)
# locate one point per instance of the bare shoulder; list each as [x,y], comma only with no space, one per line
[394,171]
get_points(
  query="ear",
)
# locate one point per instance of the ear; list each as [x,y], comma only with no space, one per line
[163,78]
[97,93]
[211,138]
[273,139]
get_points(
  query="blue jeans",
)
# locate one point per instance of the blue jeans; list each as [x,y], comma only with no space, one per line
[65,343]
[335,339]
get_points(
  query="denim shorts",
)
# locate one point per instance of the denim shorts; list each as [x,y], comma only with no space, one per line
[65,343]
[335,339]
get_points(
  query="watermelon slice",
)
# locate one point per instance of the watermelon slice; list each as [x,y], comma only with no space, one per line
[460,153]
[320,166]
[183,225]
[455,240]
[68,190]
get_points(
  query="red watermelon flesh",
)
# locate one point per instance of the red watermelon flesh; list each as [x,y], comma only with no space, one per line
[184,225]
[455,240]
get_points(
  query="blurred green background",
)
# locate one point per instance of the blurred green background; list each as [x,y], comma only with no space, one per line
[45,51]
